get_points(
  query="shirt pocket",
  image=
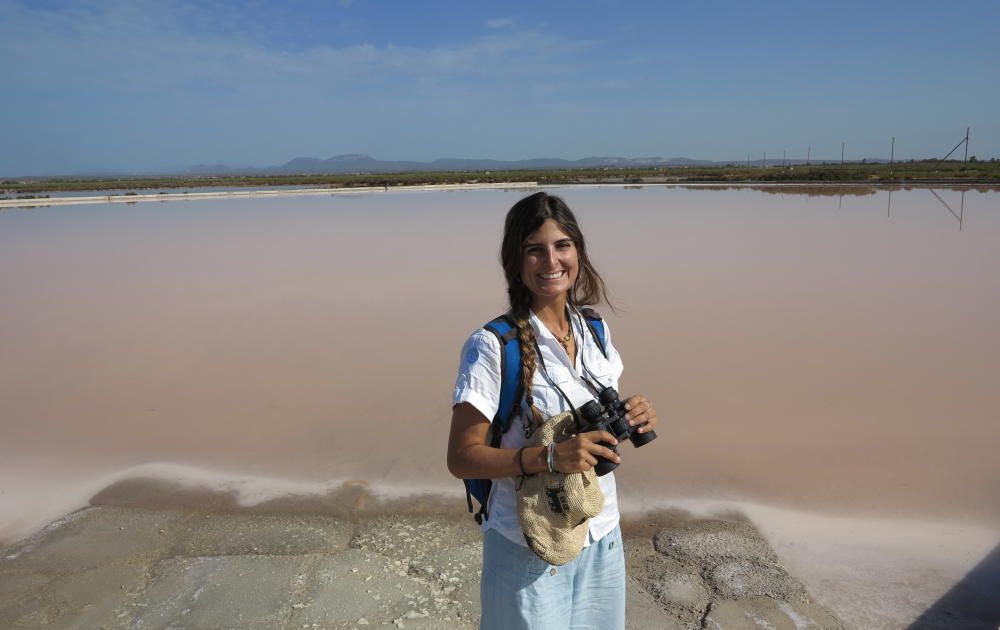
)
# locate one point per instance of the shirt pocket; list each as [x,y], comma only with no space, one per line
[600,368]
[546,390]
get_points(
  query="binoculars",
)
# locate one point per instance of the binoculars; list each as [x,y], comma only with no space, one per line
[607,413]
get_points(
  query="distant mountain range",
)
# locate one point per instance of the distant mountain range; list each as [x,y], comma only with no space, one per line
[357,163]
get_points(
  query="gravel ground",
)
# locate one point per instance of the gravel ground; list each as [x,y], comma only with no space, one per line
[361,565]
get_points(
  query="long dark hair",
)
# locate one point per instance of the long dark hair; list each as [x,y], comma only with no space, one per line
[523,219]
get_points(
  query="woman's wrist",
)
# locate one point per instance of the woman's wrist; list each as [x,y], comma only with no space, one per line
[550,457]
[532,460]
[538,459]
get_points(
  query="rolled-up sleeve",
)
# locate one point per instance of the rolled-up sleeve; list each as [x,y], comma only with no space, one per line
[478,381]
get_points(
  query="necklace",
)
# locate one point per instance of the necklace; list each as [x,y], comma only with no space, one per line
[564,341]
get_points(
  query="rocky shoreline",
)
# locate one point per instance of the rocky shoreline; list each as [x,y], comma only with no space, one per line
[361,564]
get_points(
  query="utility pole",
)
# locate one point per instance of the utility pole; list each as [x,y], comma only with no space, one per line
[808,151]
[960,142]
[841,153]
[763,161]
[892,153]
[748,160]
[966,161]
[961,211]
[783,158]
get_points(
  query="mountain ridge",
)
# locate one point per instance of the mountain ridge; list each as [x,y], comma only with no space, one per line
[361,163]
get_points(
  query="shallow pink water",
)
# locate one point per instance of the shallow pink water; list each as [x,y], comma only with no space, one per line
[811,351]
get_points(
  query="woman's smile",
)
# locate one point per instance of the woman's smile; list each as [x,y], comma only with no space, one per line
[550,262]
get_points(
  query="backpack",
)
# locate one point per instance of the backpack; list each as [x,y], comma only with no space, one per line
[511,392]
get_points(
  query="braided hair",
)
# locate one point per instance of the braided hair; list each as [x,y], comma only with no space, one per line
[523,220]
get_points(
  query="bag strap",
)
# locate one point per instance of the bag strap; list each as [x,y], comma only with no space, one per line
[480,490]
[596,325]
[505,330]
[510,374]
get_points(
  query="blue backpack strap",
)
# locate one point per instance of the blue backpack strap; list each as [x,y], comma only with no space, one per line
[510,372]
[478,489]
[510,394]
[596,325]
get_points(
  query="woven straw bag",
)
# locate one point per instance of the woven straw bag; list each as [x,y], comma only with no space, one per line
[554,508]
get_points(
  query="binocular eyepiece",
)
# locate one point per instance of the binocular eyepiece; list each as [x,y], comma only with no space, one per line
[607,413]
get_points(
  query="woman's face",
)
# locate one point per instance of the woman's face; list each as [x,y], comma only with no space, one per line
[549,262]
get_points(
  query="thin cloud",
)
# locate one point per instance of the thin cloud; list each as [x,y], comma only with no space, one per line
[110,44]
[496,23]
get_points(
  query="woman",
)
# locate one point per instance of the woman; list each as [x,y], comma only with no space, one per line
[549,276]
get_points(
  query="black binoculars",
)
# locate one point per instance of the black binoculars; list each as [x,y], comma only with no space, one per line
[607,413]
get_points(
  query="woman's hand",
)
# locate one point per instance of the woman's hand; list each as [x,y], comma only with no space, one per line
[640,410]
[580,453]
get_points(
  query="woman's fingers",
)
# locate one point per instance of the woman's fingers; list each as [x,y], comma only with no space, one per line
[581,452]
[640,411]
[594,442]
[599,436]
[636,406]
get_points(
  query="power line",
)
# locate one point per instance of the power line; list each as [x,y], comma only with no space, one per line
[965,141]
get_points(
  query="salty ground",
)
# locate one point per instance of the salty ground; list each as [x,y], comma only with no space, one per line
[364,563]
[154,553]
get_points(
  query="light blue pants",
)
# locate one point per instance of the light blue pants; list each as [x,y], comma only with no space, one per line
[519,590]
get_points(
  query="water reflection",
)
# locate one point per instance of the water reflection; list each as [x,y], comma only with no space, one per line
[958,215]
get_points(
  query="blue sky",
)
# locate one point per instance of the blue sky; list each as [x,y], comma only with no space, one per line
[140,86]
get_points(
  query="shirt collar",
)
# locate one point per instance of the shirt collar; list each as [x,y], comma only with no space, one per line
[548,341]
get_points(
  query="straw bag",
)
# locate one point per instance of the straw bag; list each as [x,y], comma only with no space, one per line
[554,508]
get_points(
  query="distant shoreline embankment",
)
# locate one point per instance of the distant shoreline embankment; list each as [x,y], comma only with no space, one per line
[824,188]
[910,173]
[229,194]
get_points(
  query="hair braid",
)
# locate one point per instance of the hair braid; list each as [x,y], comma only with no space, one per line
[526,341]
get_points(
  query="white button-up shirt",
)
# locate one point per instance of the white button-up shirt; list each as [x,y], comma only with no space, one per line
[478,383]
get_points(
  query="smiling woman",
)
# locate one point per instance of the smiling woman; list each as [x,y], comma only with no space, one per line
[550,261]
[549,277]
